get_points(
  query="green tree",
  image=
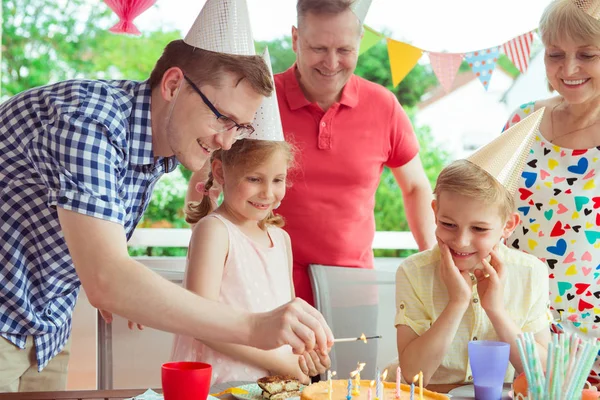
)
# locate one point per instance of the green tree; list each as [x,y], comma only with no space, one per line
[46,42]
[281,52]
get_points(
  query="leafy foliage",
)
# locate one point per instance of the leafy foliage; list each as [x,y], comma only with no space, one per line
[46,41]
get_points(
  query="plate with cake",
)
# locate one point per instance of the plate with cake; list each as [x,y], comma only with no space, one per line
[276,387]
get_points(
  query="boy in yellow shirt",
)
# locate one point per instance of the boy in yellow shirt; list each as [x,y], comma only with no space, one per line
[471,286]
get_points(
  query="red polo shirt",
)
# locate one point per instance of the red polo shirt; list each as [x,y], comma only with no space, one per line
[329,210]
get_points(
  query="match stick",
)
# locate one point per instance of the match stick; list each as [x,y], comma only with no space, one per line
[364,339]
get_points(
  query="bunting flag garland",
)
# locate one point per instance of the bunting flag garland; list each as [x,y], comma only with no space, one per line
[483,62]
[445,66]
[519,50]
[403,57]
[370,38]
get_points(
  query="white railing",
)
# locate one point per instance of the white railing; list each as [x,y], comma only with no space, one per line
[150,237]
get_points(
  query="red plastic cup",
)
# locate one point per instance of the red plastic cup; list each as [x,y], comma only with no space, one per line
[186,380]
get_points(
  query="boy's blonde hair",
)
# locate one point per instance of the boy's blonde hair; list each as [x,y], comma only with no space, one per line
[563,19]
[467,179]
[244,155]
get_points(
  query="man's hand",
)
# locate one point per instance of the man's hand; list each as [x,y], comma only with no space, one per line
[314,363]
[295,323]
[108,318]
[490,283]
[458,284]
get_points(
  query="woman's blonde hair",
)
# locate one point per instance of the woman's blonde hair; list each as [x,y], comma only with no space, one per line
[467,179]
[244,155]
[565,19]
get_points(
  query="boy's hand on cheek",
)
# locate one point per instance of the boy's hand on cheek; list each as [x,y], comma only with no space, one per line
[458,284]
[490,283]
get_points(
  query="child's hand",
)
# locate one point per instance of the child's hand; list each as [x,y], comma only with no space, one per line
[457,283]
[314,363]
[490,283]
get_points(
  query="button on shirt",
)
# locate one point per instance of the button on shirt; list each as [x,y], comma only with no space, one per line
[421,297]
[84,146]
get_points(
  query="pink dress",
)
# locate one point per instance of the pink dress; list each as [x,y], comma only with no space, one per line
[255,278]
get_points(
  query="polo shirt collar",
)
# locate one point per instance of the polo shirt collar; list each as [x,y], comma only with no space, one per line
[295,96]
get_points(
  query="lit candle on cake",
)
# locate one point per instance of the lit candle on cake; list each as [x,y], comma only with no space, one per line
[412,387]
[377,385]
[356,375]
[398,380]
[383,376]
[420,385]
[370,392]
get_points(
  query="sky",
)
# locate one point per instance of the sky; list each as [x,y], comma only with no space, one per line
[432,25]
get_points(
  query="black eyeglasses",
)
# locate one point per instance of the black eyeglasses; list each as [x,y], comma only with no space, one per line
[225,123]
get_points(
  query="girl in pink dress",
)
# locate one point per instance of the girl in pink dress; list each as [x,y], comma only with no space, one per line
[239,255]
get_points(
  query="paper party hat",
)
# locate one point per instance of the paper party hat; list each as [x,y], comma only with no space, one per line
[504,158]
[223,26]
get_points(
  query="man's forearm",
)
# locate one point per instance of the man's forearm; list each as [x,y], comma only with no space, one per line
[420,216]
[134,292]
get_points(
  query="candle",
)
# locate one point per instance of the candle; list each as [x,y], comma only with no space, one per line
[349,395]
[398,380]
[412,387]
[330,382]
[356,375]
[420,385]
[370,393]
[377,385]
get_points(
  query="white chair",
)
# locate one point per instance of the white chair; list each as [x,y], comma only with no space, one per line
[355,301]
[132,359]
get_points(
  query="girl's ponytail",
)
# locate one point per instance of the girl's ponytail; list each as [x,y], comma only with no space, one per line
[197,210]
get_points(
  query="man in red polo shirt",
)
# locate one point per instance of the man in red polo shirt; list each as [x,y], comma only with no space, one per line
[346,129]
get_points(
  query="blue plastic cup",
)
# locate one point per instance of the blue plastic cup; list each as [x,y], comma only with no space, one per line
[489,361]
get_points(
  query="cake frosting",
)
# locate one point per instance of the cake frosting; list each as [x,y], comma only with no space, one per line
[319,391]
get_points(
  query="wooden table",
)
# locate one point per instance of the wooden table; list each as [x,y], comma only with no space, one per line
[128,393]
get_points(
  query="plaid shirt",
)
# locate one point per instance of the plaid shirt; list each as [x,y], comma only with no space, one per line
[85,146]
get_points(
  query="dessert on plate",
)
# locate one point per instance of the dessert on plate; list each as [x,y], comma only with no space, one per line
[279,387]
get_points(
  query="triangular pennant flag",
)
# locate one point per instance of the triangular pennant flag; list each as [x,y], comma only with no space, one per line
[445,66]
[483,62]
[370,38]
[519,50]
[403,57]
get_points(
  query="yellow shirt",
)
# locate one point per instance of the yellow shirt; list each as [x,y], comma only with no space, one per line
[421,297]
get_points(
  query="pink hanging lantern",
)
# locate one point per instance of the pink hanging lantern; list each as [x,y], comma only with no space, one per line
[128,10]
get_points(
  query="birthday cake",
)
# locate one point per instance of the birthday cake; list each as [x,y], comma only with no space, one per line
[319,391]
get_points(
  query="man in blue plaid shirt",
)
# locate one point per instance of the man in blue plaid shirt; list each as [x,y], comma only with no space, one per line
[78,163]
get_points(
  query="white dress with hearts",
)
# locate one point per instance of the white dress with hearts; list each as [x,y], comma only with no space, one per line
[559,205]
